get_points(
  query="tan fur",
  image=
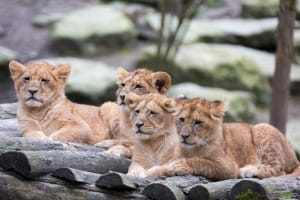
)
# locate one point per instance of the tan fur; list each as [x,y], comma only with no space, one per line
[49,114]
[222,151]
[154,131]
[140,82]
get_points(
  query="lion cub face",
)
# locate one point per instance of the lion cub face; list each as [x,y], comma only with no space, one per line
[38,83]
[198,121]
[151,115]
[141,82]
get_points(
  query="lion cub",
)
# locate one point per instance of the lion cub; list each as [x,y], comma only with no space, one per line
[45,112]
[153,127]
[140,81]
[222,151]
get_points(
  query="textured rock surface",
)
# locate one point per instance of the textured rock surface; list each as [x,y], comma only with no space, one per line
[258,33]
[92,30]
[215,65]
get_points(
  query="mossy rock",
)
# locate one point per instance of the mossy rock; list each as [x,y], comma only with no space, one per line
[259,8]
[256,33]
[249,194]
[212,65]
[239,105]
[6,55]
[90,82]
[93,30]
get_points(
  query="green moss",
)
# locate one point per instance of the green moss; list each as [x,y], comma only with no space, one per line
[249,194]
[286,195]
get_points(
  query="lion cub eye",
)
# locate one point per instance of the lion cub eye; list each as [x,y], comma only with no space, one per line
[122,84]
[137,111]
[27,78]
[181,119]
[138,86]
[197,122]
[152,113]
[44,80]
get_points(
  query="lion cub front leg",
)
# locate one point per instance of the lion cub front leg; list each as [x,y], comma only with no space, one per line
[79,134]
[31,129]
[178,167]
[107,143]
[157,171]
[119,150]
[36,134]
[136,170]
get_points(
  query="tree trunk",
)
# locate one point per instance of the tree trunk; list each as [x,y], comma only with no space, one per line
[163,190]
[32,144]
[10,127]
[269,188]
[213,190]
[36,163]
[76,175]
[284,53]
[13,188]
[115,180]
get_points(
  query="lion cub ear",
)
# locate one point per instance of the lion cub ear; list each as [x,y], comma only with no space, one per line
[122,73]
[170,106]
[16,69]
[62,72]
[162,81]
[131,100]
[218,110]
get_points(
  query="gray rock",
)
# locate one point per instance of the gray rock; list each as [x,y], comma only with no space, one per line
[91,82]
[259,8]
[257,33]
[214,65]
[8,110]
[10,127]
[6,55]
[46,20]
[239,105]
[93,30]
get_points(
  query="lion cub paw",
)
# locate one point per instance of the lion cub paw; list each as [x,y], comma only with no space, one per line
[37,134]
[156,172]
[178,168]
[106,144]
[114,152]
[248,171]
[137,173]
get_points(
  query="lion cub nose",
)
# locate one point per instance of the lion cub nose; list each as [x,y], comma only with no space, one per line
[122,97]
[139,125]
[185,136]
[32,92]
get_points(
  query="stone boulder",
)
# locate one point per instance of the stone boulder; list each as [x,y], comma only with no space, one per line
[6,55]
[46,20]
[259,8]
[257,33]
[90,82]
[213,65]
[93,30]
[239,105]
